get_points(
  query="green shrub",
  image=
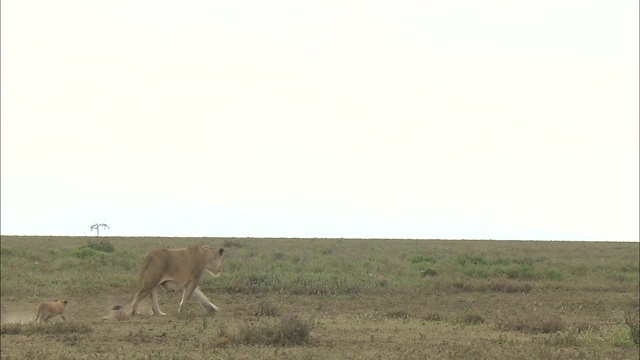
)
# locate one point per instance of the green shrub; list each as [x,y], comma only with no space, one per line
[554,275]
[102,245]
[466,259]
[519,271]
[429,272]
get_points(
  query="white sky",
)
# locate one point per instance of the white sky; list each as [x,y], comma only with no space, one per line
[375,119]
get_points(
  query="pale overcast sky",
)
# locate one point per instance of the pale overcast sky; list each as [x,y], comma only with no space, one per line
[355,119]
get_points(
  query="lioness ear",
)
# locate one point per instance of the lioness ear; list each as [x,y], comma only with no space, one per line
[221,251]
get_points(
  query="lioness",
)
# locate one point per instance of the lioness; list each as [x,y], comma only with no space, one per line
[177,269]
[49,310]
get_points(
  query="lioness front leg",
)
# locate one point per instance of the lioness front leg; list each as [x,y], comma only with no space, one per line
[202,299]
[154,302]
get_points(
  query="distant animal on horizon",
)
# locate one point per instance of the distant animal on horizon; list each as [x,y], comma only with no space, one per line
[176,269]
[49,310]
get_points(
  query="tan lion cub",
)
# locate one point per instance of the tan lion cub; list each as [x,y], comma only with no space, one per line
[49,310]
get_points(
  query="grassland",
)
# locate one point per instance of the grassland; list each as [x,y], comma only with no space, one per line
[330,299]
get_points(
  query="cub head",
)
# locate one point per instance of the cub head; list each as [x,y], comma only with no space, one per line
[63,302]
[213,264]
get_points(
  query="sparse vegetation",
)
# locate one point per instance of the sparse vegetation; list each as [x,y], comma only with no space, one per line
[471,319]
[632,320]
[534,323]
[330,298]
[289,330]
[266,308]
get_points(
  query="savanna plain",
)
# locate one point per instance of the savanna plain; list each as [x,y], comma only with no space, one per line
[328,299]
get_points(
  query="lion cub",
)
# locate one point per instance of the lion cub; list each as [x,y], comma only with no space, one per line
[49,310]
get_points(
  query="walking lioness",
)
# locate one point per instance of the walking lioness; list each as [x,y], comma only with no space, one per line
[49,310]
[177,269]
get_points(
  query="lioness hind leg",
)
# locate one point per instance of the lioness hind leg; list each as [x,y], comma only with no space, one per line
[154,303]
[136,299]
[186,294]
[202,299]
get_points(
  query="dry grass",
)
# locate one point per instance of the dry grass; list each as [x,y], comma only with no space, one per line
[632,320]
[289,330]
[53,328]
[330,298]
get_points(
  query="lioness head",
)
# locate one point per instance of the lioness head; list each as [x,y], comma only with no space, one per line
[214,261]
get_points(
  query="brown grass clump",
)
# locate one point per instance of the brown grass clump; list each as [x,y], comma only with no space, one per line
[470,319]
[501,286]
[289,331]
[632,320]
[398,314]
[507,286]
[544,324]
[582,326]
[433,317]
[266,308]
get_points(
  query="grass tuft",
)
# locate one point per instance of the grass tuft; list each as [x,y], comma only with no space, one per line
[289,331]
[632,320]
[433,317]
[230,243]
[507,286]
[471,319]
[429,272]
[398,314]
[542,324]
[102,245]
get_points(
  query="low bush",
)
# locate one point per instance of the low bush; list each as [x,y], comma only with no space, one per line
[288,331]
[87,252]
[429,272]
[103,245]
